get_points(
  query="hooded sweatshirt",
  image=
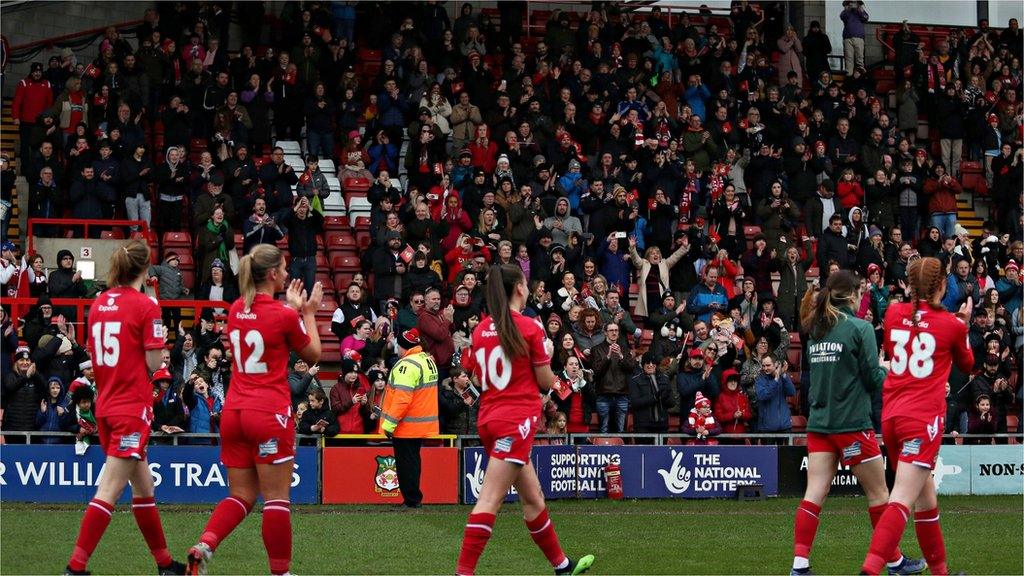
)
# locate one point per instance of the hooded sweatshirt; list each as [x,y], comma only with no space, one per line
[728,403]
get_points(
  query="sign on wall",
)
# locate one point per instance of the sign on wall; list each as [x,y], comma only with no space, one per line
[182,474]
[357,475]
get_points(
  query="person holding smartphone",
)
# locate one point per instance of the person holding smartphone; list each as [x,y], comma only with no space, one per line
[318,418]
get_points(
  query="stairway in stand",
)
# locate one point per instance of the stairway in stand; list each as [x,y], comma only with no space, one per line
[9,146]
[966,214]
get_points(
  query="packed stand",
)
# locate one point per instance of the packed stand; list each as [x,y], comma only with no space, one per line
[669,191]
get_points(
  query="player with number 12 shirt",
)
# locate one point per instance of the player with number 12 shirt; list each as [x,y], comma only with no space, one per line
[257,429]
[922,341]
[511,361]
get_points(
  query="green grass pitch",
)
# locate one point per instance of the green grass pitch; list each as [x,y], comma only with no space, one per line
[984,535]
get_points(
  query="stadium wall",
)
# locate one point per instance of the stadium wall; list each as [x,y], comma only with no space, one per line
[366,475]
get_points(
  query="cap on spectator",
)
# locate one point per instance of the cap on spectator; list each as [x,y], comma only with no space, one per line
[557,248]
[872,268]
[22,351]
[172,255]
[56,379]
[874,231]
[206,314]
[392,235]
[479,173]
[473,54]
[992,360]
[1011,265]
[65,344]
[799,140]
[922,153]
[555,318]
[353,134]
[667,294]
[959,230]
[37,67]
[465,153]
[161,375]
[701,401]
[424,111]
[574,164]
[649,358]
[374,375]
[696,353]
[8,246]
[217,264]
[85,365]
[216,179]
[408,339]
[992,118]
[294,359]
[349,365]
[539,160]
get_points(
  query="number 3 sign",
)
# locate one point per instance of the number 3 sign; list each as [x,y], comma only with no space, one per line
[85,252]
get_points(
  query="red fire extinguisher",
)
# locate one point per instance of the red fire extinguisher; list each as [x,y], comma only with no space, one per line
[613,478]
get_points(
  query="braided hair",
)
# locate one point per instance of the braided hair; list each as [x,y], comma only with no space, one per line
[927,284]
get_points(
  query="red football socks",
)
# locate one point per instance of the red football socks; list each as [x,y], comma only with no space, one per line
[148,519]
[474,539]
[886,537]
[929,536]
[805,527]
[875,512]
[94,522]
[543,533]
[225,518]
[277,534]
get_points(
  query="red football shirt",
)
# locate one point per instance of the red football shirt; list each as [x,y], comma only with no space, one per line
[123,324]
[509,387]
[261,340]
[921,358]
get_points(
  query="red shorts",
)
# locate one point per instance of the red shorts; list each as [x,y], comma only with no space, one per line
[509,440]
[853,448]
[124,436]
[913,441]
[250,437]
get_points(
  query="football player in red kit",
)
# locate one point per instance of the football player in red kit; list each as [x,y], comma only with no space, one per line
[511,360]
[922,341]
[126,339]
[257,429]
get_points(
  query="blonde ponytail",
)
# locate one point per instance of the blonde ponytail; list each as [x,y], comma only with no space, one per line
[253,269]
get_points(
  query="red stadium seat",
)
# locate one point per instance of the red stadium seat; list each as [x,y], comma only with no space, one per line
[112,234]
[607,441]
[336,223]
[179,240]
[355,185]
[342,263]
[363,223]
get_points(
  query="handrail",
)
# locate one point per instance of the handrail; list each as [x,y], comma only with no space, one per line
[49,42]
[21,304]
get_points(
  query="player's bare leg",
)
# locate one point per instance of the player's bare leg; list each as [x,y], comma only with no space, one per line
[243,489]
[542,530]
[910,481]
[871,476]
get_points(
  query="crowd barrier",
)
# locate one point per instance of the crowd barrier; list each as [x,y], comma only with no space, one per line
[569,467]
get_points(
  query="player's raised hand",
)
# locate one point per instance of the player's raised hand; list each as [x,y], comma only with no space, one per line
[312,304]
[295,296]
[964,314]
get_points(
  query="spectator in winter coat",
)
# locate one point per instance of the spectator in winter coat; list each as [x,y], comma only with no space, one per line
[66,282]
[849,190]
[278,179]
[650,397]
[89,197]
[832,246]
[772,387]
[458,404]
[696,375]
[349,400]
[707,297]
[732,407]
[23,390]
[168,405]
[613,365]
[52,414]
[318,419]
[942,190]
[313,183]
[204,408]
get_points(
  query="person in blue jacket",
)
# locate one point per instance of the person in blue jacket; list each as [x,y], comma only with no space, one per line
[772,387]
[708,297]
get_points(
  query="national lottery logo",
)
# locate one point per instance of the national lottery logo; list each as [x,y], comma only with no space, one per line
[708,474]
[677,477]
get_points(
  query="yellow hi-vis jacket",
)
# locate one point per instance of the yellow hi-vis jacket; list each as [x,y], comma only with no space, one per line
[410,399]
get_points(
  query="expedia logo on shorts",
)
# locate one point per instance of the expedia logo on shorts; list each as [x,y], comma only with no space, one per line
[852,450]
[503,444]
[911,447]
[130,442]
[268,448]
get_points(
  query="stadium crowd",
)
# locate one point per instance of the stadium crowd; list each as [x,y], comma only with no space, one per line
[668,190]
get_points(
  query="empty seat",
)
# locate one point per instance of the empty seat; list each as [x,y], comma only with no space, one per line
[290,147]
[362,223]
[356,185]
[181,240]
[343,263]
[117,234]
[326,166]
[334,204]
[607,441]
[336,223]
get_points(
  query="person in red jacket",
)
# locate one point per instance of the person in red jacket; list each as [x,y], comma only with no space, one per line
[349,399]
[942,190]
[849,191]
[484,150]
[435,326]
[732,407]
[32,97]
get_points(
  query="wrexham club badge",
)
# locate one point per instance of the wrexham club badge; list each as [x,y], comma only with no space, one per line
[386,480]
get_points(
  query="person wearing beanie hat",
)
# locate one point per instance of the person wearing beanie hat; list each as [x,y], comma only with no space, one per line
[409,412]
[700,422]
[52,415]
[650,397]
[349,402]
[1010,290]
[24,388]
